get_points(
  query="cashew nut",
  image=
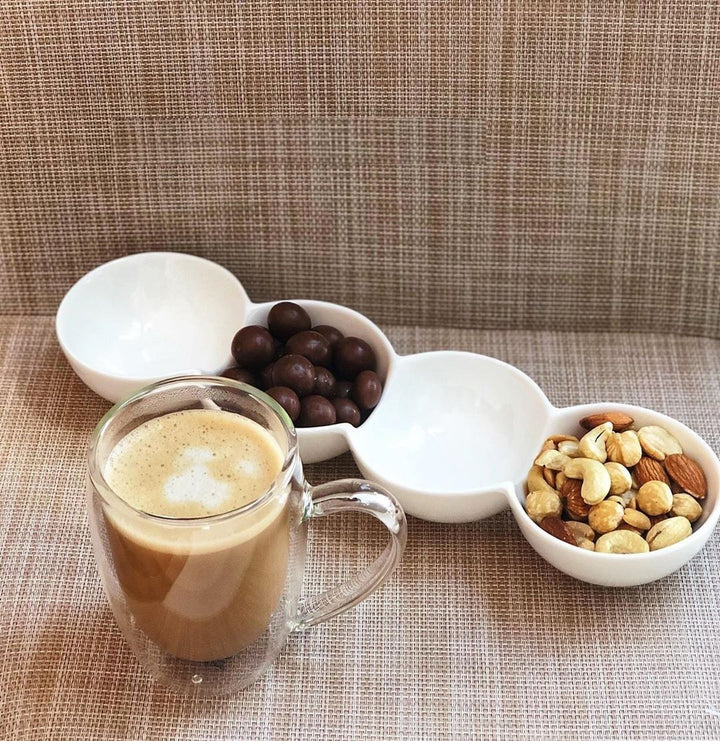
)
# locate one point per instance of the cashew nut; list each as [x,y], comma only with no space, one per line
[569,448]
[668,532]
[592,444]
[536,481]
[595,478]
[621,541]
[620,478]
[657,442]
[552,459]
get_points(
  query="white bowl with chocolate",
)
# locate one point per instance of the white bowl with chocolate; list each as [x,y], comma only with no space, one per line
[453,434]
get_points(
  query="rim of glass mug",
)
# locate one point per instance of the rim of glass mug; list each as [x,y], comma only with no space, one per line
[97,476]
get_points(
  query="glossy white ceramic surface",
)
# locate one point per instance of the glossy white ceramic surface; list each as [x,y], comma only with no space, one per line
[453,436]
[148,316]
[450,429]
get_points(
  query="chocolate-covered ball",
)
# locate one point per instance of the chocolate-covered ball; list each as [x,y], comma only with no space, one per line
[316,411]
[295,372]
[367,389]
[267,377]
[352,356]
[240,374]
[253,347]
[343,389]
[346,411]
[311,345]
[287,399]
[286,319]
[324,382]
[332,334]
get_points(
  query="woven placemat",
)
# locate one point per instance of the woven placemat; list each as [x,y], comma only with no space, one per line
[475,635]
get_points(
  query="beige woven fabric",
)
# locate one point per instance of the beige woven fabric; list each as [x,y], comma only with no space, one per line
[475,636]
[513,169]
[454,163]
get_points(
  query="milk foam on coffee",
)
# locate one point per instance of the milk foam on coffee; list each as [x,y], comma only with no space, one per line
[194,463]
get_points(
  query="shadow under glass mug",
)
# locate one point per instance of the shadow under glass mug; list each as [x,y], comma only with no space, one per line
[207,603]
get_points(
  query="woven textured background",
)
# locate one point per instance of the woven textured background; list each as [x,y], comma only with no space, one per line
[474,636]
[542,177]
[475,164]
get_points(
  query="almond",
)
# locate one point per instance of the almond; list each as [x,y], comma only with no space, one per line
[648,469]
[576,506]
[620,421]
[556,527]
[687,474]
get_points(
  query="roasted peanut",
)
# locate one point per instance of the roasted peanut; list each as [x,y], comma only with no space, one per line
[635,518]
[621,541]
[668,532]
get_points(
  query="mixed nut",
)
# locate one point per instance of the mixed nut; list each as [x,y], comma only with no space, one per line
[616,489]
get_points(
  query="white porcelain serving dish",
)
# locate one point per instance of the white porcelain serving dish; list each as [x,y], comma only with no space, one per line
[453,436]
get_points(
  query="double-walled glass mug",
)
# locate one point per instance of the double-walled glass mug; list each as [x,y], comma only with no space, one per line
[207,603]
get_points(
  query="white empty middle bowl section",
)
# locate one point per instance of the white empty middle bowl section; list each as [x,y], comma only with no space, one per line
[453,436]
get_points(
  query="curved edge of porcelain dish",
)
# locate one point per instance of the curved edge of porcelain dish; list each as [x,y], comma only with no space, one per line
[144,317]
[452,427]
[458,434]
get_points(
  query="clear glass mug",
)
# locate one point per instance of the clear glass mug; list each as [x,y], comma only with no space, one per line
[206,604]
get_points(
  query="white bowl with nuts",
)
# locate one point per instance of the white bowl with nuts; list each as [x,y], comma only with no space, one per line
[453,436]
[618,495]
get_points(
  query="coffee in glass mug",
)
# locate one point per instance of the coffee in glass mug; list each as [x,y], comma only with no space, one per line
[198,510]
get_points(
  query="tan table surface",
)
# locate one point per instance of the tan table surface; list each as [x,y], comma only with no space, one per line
[474,636]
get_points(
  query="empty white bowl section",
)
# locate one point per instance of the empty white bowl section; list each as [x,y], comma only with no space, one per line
[453,436]
[145,317]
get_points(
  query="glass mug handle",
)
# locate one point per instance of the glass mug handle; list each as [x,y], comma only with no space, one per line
[353,495]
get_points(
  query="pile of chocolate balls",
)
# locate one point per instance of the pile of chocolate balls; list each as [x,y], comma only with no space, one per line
[317,375]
